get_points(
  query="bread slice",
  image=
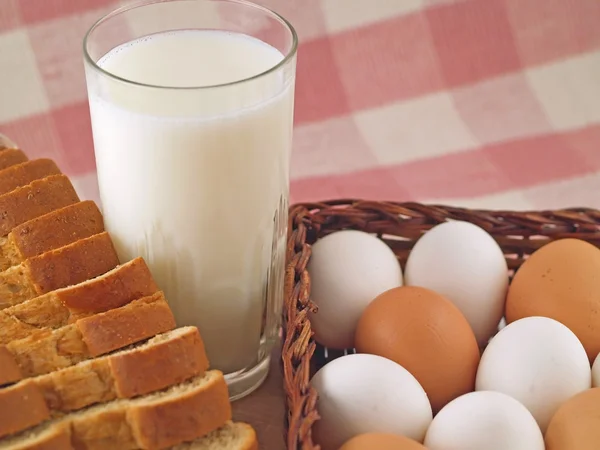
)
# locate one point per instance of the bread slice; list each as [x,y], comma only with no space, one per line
[49,232]
[33,200]
[11,156]
[66,266]
[92,336]
[115,288]
[24,173]
[184,412]
[231,436]
[163,361]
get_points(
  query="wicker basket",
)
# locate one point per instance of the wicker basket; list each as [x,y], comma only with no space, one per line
[399,225]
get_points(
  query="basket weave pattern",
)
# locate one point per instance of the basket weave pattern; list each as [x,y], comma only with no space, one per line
[399,225]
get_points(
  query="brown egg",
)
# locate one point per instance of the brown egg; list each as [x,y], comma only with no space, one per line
[427,335]
[561,281]
[576,424]
[381,441]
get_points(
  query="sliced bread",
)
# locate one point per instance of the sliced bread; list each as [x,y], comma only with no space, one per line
[231,436]
[22,174]
[165,360]
[184,412]
[49,232]
[92,336]
[11,156]
[35,199]
[115,288]
[65,266]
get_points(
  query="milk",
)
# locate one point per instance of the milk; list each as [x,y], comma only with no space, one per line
[196,180]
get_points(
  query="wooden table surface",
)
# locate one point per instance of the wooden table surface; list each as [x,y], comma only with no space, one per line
[264,409]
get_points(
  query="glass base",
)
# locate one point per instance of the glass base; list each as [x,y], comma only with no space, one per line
[246,381]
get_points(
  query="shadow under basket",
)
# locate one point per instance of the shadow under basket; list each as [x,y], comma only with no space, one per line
[400,225]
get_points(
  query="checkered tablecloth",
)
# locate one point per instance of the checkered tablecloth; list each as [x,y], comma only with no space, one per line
[484,103]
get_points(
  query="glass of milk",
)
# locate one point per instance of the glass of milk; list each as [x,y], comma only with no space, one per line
[192,111]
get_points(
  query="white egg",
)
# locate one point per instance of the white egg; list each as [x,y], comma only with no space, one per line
[348,269]
[539,362]
[484,420]
[502,324]
[464,263]
[596,372]
[366,393]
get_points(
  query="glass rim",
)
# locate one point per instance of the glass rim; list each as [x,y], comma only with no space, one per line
[141,3]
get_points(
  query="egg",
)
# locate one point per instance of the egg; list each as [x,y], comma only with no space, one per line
[347,269]
[427,335]
[484,420]
[360,394]
[539,362]
[576,424]
[596,372]
[561,281]
[381,441]
[462,262]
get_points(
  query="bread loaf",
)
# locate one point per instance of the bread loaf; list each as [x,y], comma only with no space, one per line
[24,173]
[49,232]
[33,200]
[11,156]
[66,266]
[89,357]
[92,336]
[163,361]
[184,412]
[115,288]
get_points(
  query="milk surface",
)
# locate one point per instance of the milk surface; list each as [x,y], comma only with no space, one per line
[196,180]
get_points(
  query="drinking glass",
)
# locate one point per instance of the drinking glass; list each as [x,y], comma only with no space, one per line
[191,103]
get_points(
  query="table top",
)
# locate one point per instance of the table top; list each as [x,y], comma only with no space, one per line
[265,408]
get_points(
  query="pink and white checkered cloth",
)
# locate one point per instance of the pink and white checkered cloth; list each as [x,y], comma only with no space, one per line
[483,103]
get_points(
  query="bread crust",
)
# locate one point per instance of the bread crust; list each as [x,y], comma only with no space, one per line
[29,395]
[51,350]
[72,264]
[163,361]
[24,173]
[53,230]
[114,329]
[158,365]
[54,437]
[9,369]
[11,156]
[35,199]
[157,421]
[116,288]
[58,437]
[189,416]
[66,266]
